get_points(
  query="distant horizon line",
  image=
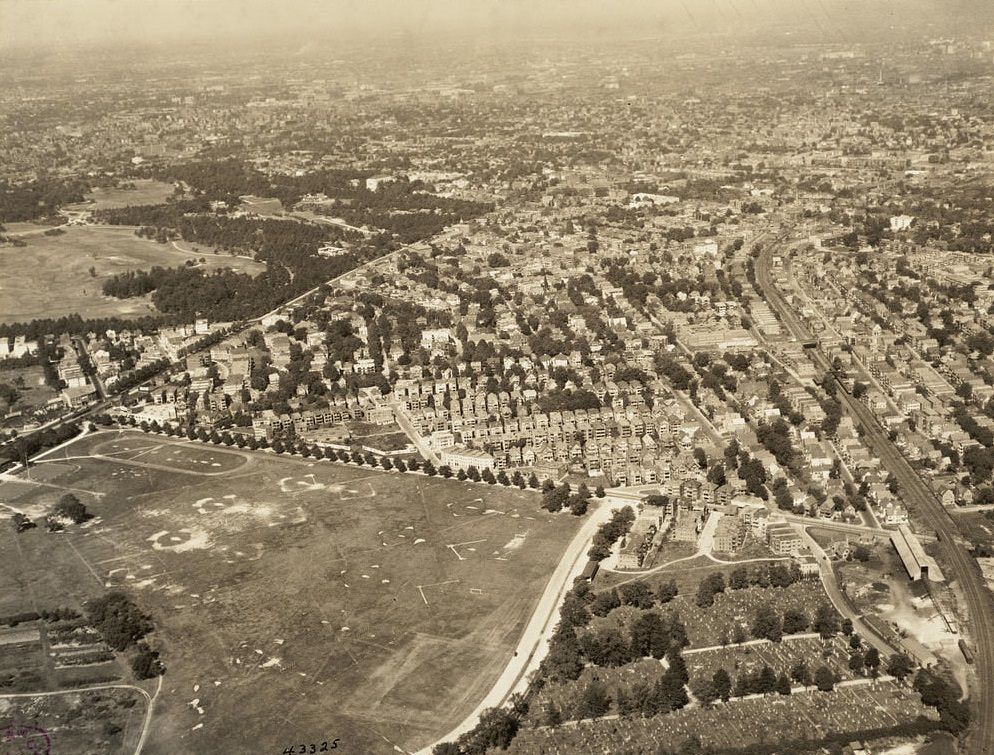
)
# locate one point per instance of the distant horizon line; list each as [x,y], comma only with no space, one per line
[80,26]
[747,38]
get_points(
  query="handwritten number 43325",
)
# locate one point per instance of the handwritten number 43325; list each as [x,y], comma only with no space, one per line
[313,747]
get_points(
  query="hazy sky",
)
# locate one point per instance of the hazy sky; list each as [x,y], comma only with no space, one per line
[71,23]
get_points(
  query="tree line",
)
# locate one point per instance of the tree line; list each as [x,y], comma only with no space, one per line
[75,325]
[39,198]
[123,625]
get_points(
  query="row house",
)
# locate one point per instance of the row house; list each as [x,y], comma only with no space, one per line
[168,395]
[216,401]
[645,474]
[70,371]
[460,457]
[546,454]
[268,422]
[819,458]
[618,452]
[234,385]
[754,514]
[729,534]
[17,348]
[201,384]
[804,403]
[407,388]
[335,414]
[427,422]
[908,400]
[783,538]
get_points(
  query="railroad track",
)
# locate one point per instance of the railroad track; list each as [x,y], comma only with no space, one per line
[914,491]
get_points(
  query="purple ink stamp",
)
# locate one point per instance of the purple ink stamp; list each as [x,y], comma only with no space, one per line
[24,739]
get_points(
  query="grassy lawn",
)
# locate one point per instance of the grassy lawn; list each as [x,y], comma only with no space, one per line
[825,537]
[32,391]
[753,548]
[670,551]
[153,451]
[51,276]
[977,527]
[296,601]
[145,191]
[687,575]
[262,205]
[386,443]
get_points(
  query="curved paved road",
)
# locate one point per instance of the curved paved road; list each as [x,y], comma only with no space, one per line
[979,601]
[149,699]
[840,601]
[534,642]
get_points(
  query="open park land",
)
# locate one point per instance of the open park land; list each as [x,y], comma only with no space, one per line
[51,276]
[32,390]
[140,192]
[295,601]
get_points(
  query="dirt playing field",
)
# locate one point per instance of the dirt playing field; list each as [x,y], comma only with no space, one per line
[51,276]
[295,601]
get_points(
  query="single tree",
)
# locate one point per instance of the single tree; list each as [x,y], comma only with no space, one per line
[783,685]
[578,505]
[21,522]
[872,661]
[794,621]
[667,591]
[594,701]
[722,684]
[826,621]
[900,666]
[71,508]
[856,662]
[824,679]
[704,691]
[738,579]
[766,680]
[800,673]
[636,594]
[605,602]
[146,663]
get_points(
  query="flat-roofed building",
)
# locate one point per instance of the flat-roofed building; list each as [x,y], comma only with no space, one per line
[460,457]
[783,538]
